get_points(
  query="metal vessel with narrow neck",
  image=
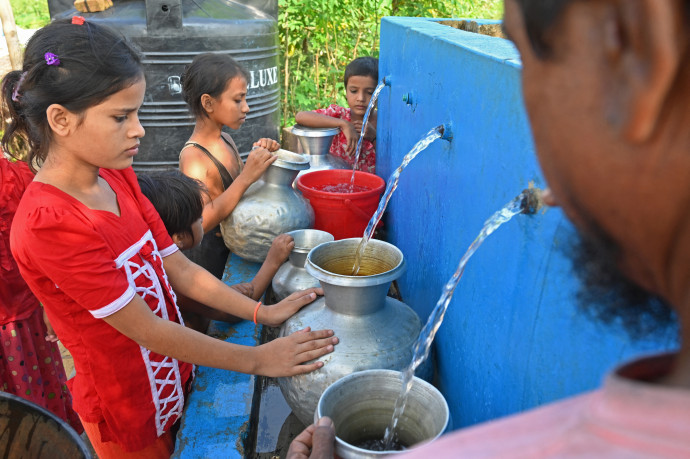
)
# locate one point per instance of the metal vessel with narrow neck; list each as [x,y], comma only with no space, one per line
[268,208]
[292,275]
[316,143]
[375,331]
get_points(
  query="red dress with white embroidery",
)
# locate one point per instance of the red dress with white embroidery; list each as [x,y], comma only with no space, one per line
[367,157]
[85,265]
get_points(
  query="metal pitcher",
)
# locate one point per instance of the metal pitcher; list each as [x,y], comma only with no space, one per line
[316,143]
[269,207]
[375,331]
[292,275]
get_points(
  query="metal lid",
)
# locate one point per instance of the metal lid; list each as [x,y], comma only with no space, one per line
[305,131]
[290,160]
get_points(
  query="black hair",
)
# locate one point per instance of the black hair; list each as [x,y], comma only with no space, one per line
[209,73]
[362,66]
[177,198]
[541,15]
[95,62]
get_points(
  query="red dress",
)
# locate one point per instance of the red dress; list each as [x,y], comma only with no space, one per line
[85,265]
[30,367]
[367,157]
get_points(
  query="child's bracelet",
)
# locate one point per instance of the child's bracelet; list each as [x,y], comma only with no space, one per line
[256,309]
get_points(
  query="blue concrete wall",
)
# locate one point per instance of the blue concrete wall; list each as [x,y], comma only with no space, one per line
[512,337]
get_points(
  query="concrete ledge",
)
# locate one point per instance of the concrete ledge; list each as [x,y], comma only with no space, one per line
[215,423]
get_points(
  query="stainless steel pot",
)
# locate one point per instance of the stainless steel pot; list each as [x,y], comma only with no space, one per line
[375,331]
[269,207]
[316,143]
[292,275]
[361,407]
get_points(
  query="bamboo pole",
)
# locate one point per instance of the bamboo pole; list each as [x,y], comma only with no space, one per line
[10,30]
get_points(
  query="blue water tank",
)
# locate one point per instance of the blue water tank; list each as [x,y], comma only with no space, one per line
[513,336]
[170,33]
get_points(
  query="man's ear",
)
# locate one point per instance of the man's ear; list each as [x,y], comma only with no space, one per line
[207,103]
[61,120]
[648,35]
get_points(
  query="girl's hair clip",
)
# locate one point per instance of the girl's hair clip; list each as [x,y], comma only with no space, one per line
[78,20]
[52,59]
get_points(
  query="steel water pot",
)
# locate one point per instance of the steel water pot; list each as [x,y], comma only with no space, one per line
[292,276]
[316,143]
[268,208]
[375,331]
[361,406]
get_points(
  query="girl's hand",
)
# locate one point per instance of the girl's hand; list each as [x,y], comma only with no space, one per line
[280,249]
[268,144]
[370,133]
[351,136]
[287,356]
[257,162]
[275,315]
[244,288]
[50,333]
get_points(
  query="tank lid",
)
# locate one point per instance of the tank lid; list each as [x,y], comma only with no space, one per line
[305,131]
[290,160]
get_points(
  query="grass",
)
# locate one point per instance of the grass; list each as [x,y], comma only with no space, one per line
[30,14]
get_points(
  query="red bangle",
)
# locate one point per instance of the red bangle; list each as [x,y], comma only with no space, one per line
[256,309]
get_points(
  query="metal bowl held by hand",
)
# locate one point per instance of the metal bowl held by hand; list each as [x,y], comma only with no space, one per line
[361,406]
[268,208]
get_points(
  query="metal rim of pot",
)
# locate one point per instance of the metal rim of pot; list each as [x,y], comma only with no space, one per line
[290,160]
[319,235]
[361,452]
[347,280]
[305,131]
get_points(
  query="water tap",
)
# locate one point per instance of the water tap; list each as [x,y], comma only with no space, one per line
[387,80]
[531,201]
[446,132]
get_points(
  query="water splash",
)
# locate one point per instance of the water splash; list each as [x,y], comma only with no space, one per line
[371,105]
[430,136]
[523,203]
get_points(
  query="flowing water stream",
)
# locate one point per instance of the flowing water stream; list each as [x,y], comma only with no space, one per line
[372,104]
[527,202]
[430,136]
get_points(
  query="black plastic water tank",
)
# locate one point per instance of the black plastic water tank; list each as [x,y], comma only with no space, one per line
[169,34]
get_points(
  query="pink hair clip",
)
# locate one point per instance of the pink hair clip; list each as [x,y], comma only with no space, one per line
[52,59]
[78,20]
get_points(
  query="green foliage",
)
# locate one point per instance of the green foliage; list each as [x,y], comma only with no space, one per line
[318,38]
[30,14]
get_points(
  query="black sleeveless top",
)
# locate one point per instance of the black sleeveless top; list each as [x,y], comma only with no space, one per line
[212,254]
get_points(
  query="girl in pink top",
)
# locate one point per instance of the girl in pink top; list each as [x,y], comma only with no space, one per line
[96,254]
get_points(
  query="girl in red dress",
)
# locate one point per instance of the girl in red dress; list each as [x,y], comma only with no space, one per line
[94,251]
[30,363]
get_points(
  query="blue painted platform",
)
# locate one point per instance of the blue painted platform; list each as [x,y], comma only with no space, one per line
[215,423]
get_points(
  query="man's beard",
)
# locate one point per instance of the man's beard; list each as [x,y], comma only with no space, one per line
[608,296]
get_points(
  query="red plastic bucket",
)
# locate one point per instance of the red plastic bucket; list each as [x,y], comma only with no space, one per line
[344,215]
